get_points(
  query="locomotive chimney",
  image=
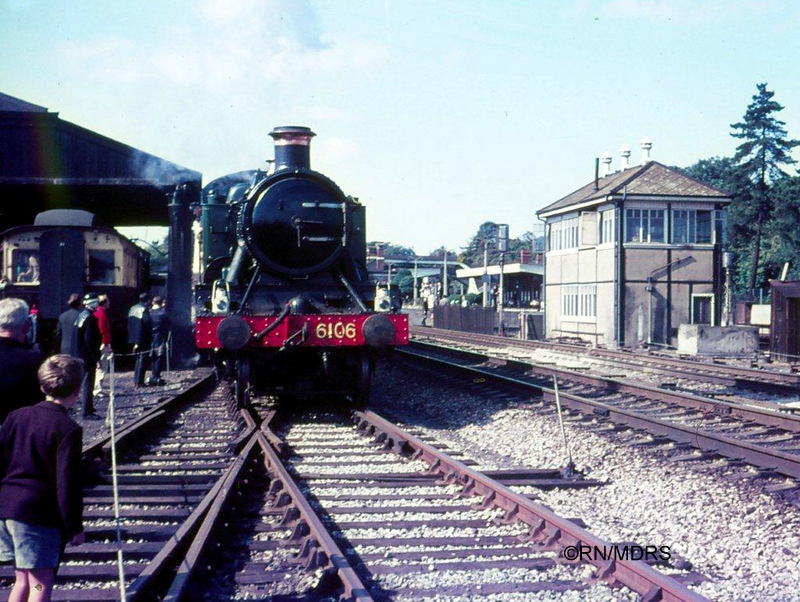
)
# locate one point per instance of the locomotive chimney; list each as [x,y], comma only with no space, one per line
[292,146]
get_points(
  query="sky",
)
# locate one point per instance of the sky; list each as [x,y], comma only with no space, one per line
[437,115]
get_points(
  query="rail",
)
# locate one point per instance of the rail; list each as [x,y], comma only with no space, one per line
[758,455]
[547,528]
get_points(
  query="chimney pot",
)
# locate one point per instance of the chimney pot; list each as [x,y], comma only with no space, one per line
[646,146]
[625,155]
[606,160]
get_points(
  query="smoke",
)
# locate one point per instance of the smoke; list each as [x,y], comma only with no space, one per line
[156,170]
[207,94]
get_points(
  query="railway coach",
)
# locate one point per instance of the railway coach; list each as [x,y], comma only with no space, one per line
[70,251]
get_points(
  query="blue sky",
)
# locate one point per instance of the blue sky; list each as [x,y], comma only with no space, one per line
[437,115]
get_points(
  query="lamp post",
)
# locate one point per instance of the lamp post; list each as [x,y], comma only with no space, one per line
[486,273]
[727,264]
[445,291]
[502,246]
[415,280]
[388,276]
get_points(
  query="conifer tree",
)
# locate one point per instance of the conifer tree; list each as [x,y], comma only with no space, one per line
[762,154]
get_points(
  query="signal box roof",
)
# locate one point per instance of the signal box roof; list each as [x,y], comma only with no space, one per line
[651,180]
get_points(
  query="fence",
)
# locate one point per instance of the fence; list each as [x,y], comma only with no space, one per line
[482,320]
[479,320]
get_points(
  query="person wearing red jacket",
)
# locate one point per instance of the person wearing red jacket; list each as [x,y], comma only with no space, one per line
[104,324]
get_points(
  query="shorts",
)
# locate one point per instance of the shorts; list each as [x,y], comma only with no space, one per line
[29,546]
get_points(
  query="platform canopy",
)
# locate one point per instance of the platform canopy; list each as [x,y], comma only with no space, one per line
[48,163]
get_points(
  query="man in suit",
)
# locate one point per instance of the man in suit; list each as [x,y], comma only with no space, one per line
[19,384]
[160,329]
[66,324]
[87,341]
[139,333]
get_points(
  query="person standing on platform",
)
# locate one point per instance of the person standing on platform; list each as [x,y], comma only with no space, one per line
[160,329]
[87,346]
[41,499]
[19,385]
[139,333]
[104,324]
[66,324]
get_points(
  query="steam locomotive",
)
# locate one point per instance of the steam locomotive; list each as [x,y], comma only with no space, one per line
[285,300]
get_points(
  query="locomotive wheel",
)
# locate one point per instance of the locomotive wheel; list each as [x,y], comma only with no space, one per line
[362,381]
[242,383]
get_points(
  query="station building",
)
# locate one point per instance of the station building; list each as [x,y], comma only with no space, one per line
[49,163]
[522,282]
[634,254]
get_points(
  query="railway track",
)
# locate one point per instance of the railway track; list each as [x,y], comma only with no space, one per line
[766,438]
[372,512]
[169,460]
[705,371]
[217,506]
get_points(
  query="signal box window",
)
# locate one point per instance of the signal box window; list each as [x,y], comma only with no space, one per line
[101,267]
[644,225]
[606,225]
[691,227]
[25,266]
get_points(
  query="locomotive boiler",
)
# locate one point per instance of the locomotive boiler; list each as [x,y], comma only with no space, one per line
[285,301]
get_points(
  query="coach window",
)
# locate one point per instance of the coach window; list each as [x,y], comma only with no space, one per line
[25,266]
[101,267]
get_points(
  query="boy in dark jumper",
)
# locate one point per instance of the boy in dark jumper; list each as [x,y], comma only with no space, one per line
[41,502]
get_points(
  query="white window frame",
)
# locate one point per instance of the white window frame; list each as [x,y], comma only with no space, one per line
[606,225]
[564,234]
[644,230]
[690,215]
[713,306]
[579,301]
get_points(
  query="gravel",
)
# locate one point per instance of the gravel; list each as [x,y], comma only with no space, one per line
[743,540]
[425,573]
[130,402]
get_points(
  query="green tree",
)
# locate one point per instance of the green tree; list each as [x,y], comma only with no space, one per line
[725,174]
[159,253]
[785,226]
[404,280]
[392,249]
[762,155]
[472,253]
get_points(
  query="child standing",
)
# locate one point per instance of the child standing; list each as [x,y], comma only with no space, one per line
[41,501]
